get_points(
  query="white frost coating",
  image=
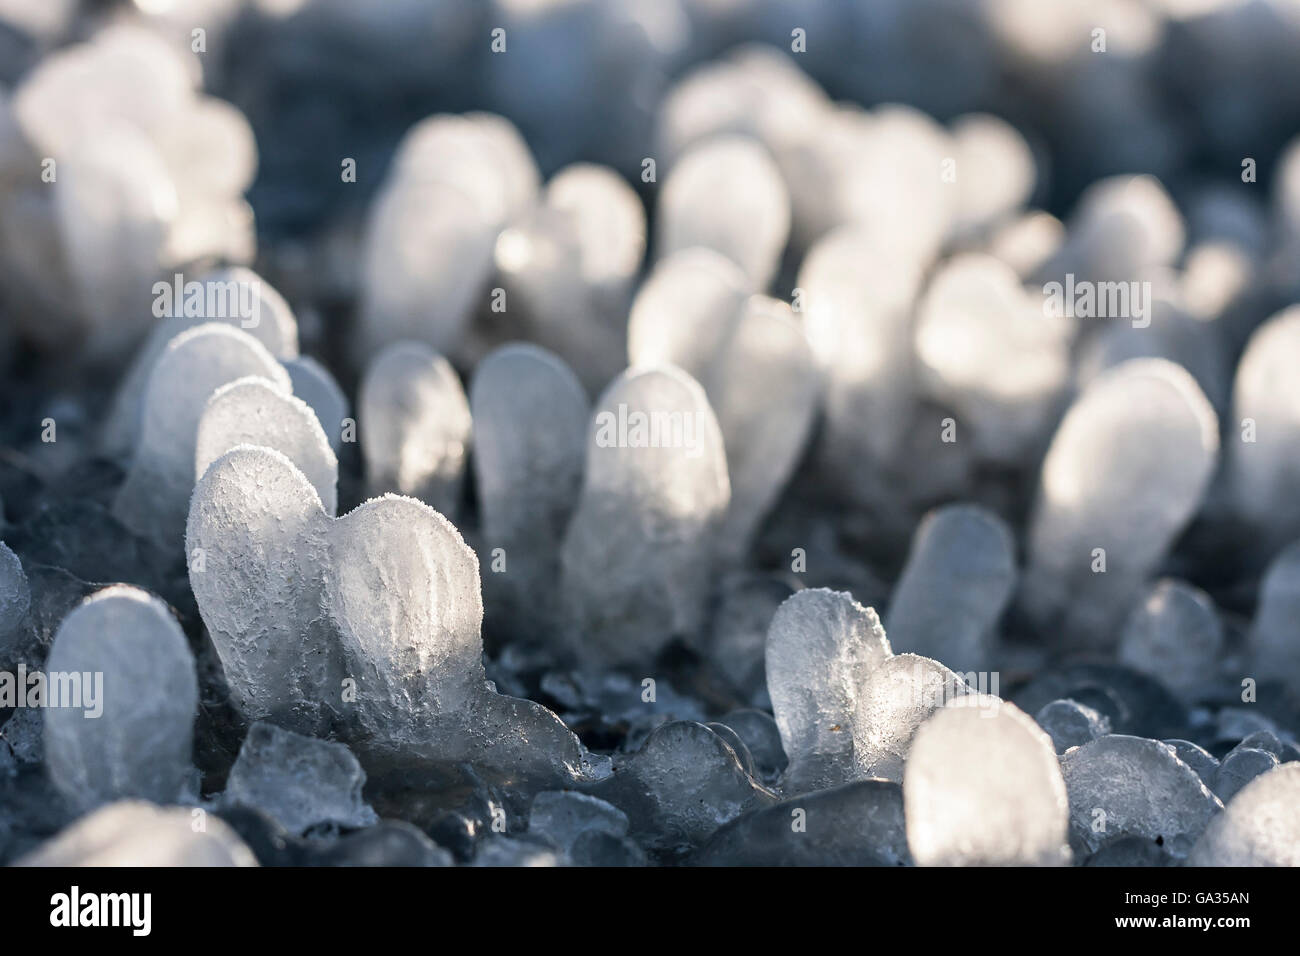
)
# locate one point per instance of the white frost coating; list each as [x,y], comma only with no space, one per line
[254,411]
[1260,826]
[637,558]
[140,742]
[386,596]
[1125,472]
[195,364]
[415,425]
[982,788]
[727,194]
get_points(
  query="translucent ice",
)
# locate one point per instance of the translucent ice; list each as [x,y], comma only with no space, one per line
[1263,463]
[957,580]
[15,599]
[982,788]
[313,383]
[530,427]
[682,785]
[685,309]
[985,347]
[1239,768]
[135,833]
[567,269]
[1196,757]
[128,695]
[1273,640]
[857,307]
[762,737]
[1124,474]
[195,364]
[637,557]
[224,295]
[762,380]
[855,824]
[1174,635]
[255,411]
[1260,826]
[1071,724]
[561,816]
[370,620]
[737,636]
[389,843]
[414,425]
[299,781]
[727,194]
[1130,786]
[895,699]
[258,526]
[822,647]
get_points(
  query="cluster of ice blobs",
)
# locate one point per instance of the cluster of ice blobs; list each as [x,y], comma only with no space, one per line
[357,641]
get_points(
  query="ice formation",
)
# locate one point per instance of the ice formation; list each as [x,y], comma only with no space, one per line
[726,194]
[1169,804]
[299,781]
[196,363]
[959,576]
[256,411]
[150,175]
[1258,827]
[755,364]
[636,557]
[530,419]
[982,788]
[1125,472]
[369,622]
[566,270]
[127,692]
[415,425]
